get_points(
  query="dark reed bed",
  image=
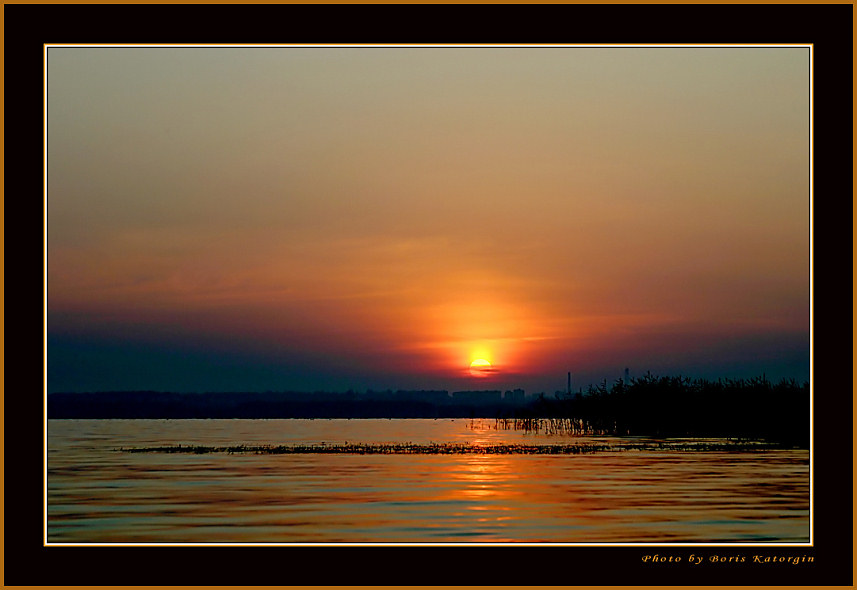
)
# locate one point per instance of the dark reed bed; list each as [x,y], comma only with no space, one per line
[459,448]
[754,409]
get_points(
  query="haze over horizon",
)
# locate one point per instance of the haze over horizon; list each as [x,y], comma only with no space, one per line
[260,218]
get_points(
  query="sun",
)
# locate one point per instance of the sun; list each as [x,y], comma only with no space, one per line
[480,368]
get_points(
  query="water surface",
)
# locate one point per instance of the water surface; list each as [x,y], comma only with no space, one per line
[96,493]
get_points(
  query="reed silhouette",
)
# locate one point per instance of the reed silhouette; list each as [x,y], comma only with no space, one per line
[451,448]
[679,407]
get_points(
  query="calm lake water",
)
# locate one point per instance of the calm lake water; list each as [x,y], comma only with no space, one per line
[97,493]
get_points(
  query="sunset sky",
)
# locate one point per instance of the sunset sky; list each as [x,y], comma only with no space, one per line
[287,218]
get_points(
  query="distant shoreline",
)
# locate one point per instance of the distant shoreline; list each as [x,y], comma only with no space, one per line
[166,405]
[754,409]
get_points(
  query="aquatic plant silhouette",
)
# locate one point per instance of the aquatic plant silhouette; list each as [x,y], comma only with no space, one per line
[452,448]
[680,406]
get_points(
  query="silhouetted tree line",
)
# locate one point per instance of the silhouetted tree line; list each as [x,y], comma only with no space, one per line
[319,404]
[647,406]
[678,406]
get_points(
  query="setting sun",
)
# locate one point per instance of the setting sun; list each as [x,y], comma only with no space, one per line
[480,368]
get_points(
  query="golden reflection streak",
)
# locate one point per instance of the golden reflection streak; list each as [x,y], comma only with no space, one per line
[486,482]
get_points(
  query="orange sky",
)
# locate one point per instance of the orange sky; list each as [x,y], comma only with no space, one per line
[300,218]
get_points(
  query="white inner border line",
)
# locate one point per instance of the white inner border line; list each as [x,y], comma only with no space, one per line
[428,46]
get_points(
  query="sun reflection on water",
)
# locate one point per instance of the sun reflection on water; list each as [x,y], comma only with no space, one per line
[96,494]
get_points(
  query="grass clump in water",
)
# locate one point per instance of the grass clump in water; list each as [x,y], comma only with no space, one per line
[453,448]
